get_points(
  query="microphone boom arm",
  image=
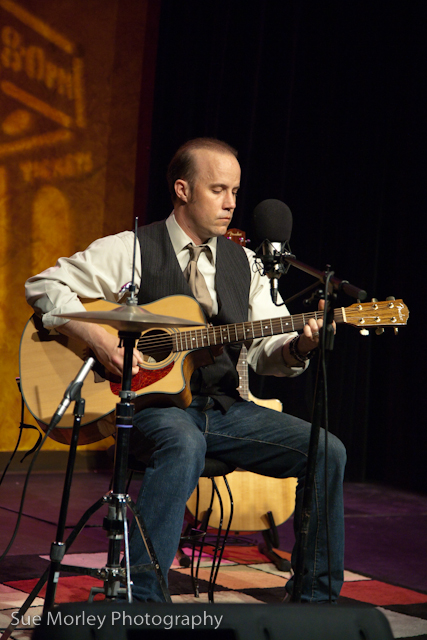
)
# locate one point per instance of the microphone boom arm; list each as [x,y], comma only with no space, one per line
[338,285]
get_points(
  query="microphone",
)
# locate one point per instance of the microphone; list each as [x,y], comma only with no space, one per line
[273,219]
[71,392]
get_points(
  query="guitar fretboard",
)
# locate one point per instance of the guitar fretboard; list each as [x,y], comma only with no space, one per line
[211,336]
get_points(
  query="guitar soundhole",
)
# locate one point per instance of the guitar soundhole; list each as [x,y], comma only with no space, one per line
[155,345]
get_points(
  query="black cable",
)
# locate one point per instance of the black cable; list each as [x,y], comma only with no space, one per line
[326,428]
[22,426]
[24,491]
[11,457]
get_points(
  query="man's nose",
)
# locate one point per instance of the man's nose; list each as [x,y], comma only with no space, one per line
[229,201]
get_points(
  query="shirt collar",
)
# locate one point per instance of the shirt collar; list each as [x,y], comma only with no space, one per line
[180,239]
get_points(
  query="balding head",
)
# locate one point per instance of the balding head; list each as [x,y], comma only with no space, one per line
[183,165]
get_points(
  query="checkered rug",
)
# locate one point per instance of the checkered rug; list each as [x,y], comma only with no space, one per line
[245,576]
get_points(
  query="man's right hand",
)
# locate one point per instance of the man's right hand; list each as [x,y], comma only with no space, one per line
[105,345]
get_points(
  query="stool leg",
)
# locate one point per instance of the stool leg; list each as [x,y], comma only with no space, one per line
[212,577]
[215,569]
[202,527]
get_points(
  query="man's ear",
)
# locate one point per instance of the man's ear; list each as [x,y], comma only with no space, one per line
[182,190]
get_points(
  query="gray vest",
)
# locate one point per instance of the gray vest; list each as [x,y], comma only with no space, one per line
[162,276]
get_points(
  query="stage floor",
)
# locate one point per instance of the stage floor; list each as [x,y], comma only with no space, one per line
[386,533]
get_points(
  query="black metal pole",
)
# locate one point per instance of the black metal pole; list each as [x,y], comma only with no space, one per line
[57,549]
[326,346]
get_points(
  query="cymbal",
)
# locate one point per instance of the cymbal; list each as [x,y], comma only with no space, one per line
[128,318]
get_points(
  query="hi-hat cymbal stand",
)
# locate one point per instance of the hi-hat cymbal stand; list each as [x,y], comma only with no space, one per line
[115,523]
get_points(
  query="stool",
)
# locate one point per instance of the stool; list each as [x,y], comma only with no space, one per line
[213,469]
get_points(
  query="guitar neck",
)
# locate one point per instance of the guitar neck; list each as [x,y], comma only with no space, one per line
[242,370]
[390,313]
[240,332]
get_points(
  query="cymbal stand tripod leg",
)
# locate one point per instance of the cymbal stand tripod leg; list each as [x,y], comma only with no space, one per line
[116,523]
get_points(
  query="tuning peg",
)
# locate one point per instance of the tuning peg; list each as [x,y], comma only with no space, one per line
[364,332]
[374,300]
[379,330]
[396,330]
[390,298]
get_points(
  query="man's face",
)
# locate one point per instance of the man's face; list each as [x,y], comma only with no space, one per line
[208,206]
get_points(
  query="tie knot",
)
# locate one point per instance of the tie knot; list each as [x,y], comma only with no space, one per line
[196,251]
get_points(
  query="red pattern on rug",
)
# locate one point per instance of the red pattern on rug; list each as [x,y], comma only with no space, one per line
[69,589]
[375,592]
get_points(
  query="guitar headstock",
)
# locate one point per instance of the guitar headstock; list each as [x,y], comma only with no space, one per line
[374,314]
[237,235]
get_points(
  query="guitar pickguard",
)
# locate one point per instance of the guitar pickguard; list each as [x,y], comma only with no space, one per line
[144,378]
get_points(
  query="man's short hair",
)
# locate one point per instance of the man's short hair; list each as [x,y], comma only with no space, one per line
[183,166]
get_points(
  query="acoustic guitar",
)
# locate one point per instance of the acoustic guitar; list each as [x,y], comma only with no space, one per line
[49,362]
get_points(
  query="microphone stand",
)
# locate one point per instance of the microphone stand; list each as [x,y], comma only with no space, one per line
[57,550]
[326,345]
[274,267]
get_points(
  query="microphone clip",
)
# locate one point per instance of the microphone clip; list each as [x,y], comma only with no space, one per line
[271,261]
[272,256]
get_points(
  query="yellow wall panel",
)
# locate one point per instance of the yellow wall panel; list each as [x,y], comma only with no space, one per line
[70,78]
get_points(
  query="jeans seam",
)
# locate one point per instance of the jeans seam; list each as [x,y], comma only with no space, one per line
[313,579]
[274,444]
[206,431]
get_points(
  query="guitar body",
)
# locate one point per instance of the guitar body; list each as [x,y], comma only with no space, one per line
[253,495]
[48,363]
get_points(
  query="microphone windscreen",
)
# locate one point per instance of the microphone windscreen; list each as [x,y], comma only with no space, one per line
[272,220]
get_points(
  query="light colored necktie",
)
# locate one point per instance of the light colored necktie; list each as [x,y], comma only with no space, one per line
[196,280]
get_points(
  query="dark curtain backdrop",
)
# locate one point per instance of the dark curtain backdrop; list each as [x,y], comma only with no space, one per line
[325,102]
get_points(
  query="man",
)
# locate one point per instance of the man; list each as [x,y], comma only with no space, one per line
[204,178]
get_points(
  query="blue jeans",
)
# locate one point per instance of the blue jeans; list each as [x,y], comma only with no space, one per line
[253,438]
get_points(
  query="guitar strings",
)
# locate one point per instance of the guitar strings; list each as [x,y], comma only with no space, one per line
[214,334]
[161,342]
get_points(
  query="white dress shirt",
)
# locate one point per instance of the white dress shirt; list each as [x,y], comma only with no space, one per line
[105,268]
